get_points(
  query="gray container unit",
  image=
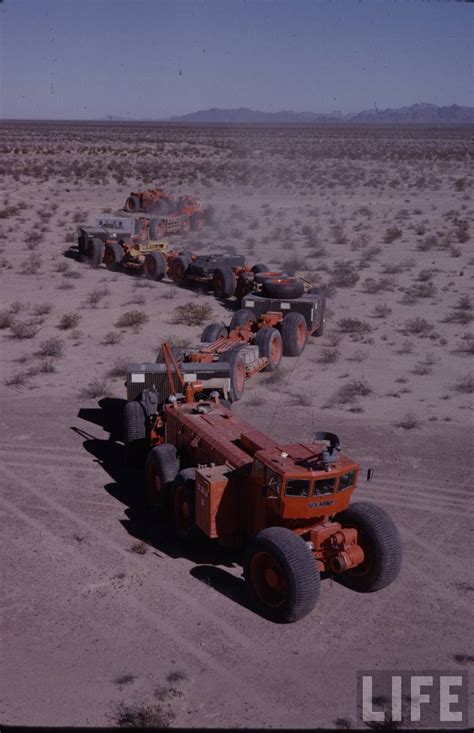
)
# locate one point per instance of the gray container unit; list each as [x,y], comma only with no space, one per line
[310,305]
[147,375]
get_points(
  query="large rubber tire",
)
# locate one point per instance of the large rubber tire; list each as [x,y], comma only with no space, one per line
[197,221]
[294,334]
[210,214]
[82,245]
[259,268]
[242,317]
[236,364]
[134,433]
[177,352]
[178,268]
[283,287]
[380,540]
[282,574]
[161,469]
[320,331]
[157,229]
[260,277]
[155,266]
[224,282]
[113,256]
[245,284]
[212,332]
[183,506]
[132,204]
[270,346]
[161,208]
[185,224]
[96,252]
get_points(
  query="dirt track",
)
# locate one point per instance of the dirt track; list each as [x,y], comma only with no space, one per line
[81,610]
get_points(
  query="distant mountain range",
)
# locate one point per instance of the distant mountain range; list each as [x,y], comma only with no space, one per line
[415,114]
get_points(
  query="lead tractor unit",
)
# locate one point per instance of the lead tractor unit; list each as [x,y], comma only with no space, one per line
[288,506]
[156,202]
[130,228]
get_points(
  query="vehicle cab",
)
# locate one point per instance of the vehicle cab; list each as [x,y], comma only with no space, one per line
[297,485]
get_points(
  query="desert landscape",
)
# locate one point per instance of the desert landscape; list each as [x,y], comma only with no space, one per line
[106,620]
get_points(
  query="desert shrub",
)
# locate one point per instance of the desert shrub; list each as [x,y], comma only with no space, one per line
[302,399]
[394,269]
[373,286]
[112,338]
[51,347]
[16,307]
[276,377]
[293,264]
[466,345]
[418,326]
[19,379]
[427,243]
[462,230]
[422,368]
[358,355]
[24,329]
[69,321]
[73,274]
[328,356]
[370,253]
[142,716]
[391,234]
[462,312]
[406,347]
[256,399]
[424,289]
[465,385]
[344,274]
[119,369]
[46,366]
[132,319]
[350,391]
[96,295]
[80,216]
[6,319]
[360,242]
[33,239]
[408,422]
[425,275]
[418,290]
[338,234]
[42,309]
[354,325]
[96,388]
[192,314]
[31,265]
[381,310]
[139,548]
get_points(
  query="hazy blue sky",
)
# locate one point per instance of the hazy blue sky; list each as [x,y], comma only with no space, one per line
[84,59]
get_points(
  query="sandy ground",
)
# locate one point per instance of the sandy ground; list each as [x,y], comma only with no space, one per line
[101,609]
